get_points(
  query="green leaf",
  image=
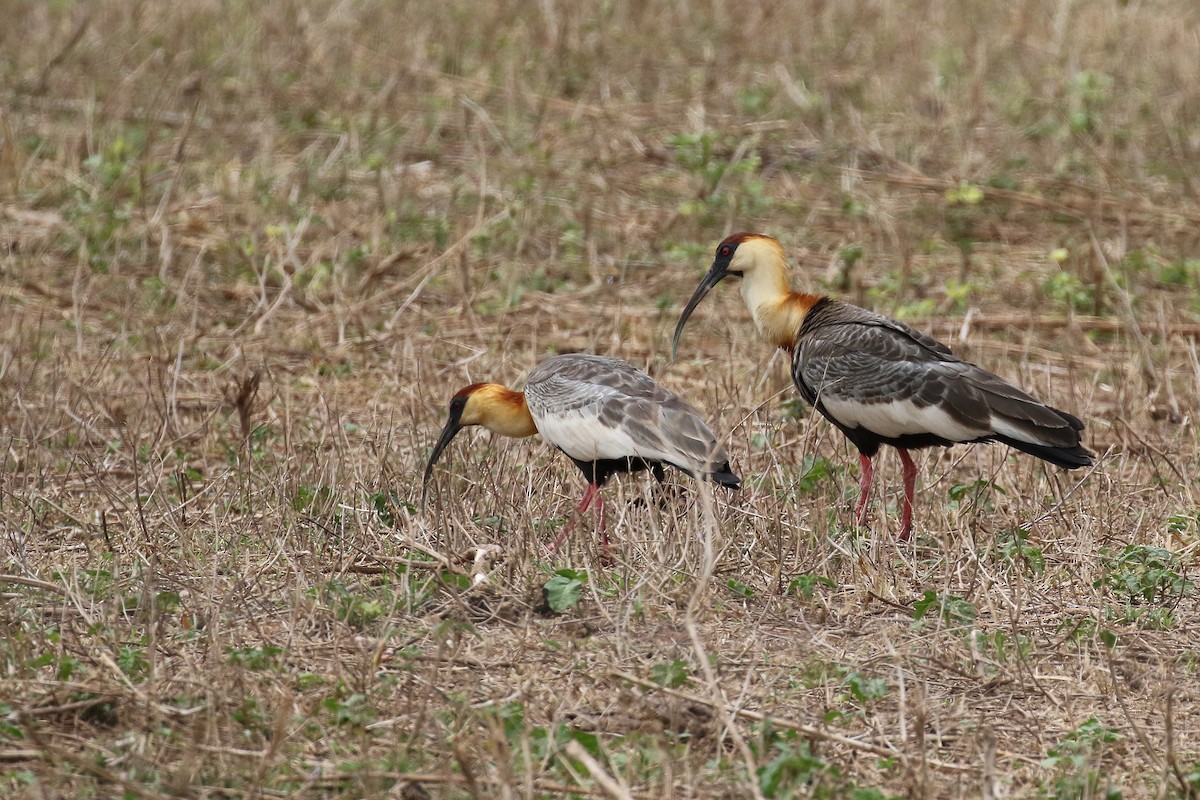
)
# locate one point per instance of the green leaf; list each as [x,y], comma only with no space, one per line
[562,593]
[951,609]
[739,588]
[964,194]
[866,689]
[589,741]
[814,470]
[805,584]
[1014,547]
[671,674]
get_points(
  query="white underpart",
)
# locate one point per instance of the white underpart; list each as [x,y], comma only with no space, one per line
[582,436]
[1006,428]
[900,417]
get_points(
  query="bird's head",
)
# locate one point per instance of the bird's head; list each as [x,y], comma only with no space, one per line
[497,408]
[754,257]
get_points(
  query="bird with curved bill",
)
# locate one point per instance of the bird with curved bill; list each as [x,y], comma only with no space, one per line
[880,381]
[605,415]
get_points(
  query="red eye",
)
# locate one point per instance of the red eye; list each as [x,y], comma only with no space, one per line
[725,250]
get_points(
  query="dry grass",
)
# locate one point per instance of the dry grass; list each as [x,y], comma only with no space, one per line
[249,254]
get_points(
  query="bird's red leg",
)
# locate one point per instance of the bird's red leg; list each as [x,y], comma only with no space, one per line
[592,491]
[910,481]
[864,486]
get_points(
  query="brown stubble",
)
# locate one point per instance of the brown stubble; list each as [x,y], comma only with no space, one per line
[371,206]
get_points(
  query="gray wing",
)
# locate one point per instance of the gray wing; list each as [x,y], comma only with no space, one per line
[594,407]
[875,373]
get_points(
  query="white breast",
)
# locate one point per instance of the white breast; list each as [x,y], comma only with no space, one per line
[582,436]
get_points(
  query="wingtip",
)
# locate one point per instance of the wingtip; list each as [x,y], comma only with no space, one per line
[726,477]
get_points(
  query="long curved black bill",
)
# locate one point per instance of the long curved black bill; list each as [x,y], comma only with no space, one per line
[714,276]
[448,433]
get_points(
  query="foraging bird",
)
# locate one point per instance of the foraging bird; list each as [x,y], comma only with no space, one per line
[881,381]
[607,416]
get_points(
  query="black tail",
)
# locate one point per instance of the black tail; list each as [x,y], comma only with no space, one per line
[720,473]
[1065,457]
[724,476]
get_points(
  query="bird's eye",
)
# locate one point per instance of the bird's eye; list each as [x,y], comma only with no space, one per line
[725,250]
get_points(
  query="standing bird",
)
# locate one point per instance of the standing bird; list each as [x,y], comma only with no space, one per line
[607,416]
[881,381]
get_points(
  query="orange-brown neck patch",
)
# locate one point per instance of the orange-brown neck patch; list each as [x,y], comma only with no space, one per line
[782,326]
[780,321]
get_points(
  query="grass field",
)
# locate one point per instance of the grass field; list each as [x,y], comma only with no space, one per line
[248,252]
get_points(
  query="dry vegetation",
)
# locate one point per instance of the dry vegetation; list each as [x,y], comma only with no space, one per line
[249,250]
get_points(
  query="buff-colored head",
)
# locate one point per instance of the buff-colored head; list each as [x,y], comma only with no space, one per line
[760,263]
[495,407]
[749,254]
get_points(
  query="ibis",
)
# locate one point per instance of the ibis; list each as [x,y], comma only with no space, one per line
[880,381]
[605,415]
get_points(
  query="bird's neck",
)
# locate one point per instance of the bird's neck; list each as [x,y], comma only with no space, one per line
[508,414]
[778,311]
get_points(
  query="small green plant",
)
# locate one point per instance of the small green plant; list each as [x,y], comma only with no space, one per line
[727,181]
[353,709]
[795,408]
[756,100]
[255,659]
[813,471]
[1142,574]
[96,582]
[132,661]
[1013,546]
[1179,273]
[1184,522]
[951,610]
[863,687]
[1088,93]
[1191,780]
[1002,647]
[1084,628]
[964,217]
[806,584]
[964,194]
[386,504]
[254,720]
[1066,289]
[958,292]
[260,437]
[562,591]
[851,254]
[352,607]
[311,498]
[65,666]
[790,769]
[793,766]
[7,729]
[671,674]
[549,743]
[1076,760]
[739,589]
[978,494]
